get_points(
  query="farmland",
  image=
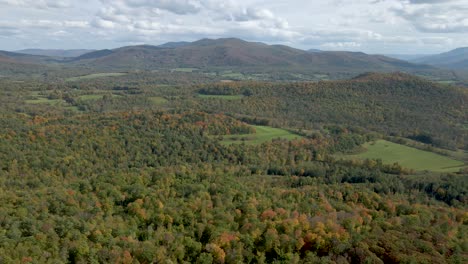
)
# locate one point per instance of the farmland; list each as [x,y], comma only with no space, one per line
[408,157]
[95,75]
[263,134]
[223,97]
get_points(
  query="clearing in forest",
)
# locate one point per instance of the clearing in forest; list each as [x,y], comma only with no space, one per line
[263,134]
[407,157]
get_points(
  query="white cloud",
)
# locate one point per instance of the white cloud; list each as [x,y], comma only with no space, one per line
[180,7]
[48,24]
[203,17]
[60,33]
[42,4]
[75,24]
[341,45]
[103,24]
[398,26]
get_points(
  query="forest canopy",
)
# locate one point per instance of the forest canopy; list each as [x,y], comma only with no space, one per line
[135,168]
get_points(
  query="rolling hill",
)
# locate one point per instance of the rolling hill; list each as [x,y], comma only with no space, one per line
[454,59]
[233,52]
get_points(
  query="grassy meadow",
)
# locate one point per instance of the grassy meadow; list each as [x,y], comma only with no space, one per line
[157,100]
[224,97]
[43,100]
[95,75]
[263,134]
[408,157]
[93,97]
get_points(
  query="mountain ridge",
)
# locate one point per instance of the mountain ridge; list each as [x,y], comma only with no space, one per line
[226,53]
[453,59]
[232,52]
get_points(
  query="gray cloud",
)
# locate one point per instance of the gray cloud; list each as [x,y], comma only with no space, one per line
[180,7]
[41,4]
[8,32]
[429,1]
[448,18]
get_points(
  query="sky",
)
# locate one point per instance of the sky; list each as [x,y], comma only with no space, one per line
[371,26]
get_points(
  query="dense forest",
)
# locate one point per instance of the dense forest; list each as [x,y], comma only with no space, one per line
[135,168]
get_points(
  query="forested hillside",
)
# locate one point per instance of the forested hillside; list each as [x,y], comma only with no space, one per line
[396,104]
[168,167]
[150,186]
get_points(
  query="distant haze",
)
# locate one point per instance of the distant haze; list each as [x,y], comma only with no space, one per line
[407,57]
[55,53]
[454,59]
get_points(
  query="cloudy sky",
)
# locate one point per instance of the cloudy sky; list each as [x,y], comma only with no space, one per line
[373,26]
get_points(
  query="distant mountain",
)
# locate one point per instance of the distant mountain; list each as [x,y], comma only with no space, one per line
[94,55]
[15,57]
[314,50]
[406,57]
[174,44]
[55,52]
[455,59]
[231,52]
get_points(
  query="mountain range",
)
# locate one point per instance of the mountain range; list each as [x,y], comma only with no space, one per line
[232,52]
[214,53]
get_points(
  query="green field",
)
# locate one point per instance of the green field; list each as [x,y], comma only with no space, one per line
[224,97]
[184,69]
[72,108]
[95,75]
[91,97]
[157,100]
[233,75]
[446,82]
[407,157]
[43,100]
[263,134]
[88,97]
